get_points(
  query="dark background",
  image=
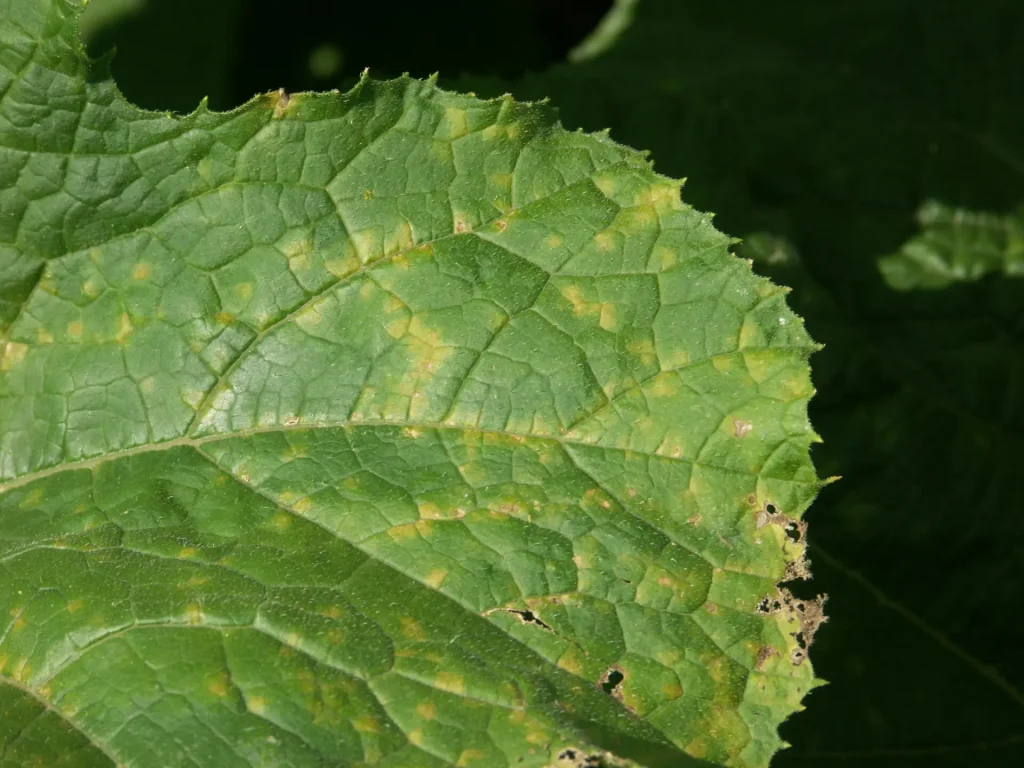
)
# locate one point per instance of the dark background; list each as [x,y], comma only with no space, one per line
[815,130]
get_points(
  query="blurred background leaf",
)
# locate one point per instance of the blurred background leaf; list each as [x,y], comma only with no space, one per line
[833,137]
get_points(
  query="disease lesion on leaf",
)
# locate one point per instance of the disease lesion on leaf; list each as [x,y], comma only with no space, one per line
[805,615]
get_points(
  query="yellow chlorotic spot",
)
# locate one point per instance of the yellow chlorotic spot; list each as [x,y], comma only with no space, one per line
[366,724]
[469,756]
[400,238]
[281,521]
[760,364]
[430,511]
[461,224]
[400,533]
[664,385]
[21,670]
[367,194]
[32,499]
[193,398]
[397,328]
[574,295]
[491,132]
[605,240]
[606,183]
[416,736]
[553,241]
[436,577]
[205,170]
[512,130]
[309,316]
[244,291]
[749,334]
[393,304]
[219,686]
[12,354]
[224,318]
[538,736]
[664,197]
[302,506]
[74,606]
[18,624]
[195,581]
[503,180]
[43,336]
[724,363]
[450,682]
[332,612]
[426,710]
[609,316]
[186,552]
[570,662]
[3,662]
[411,628]
[342,267]
[423,527]
[194,614]
[124,328]
[665,257]
[141,271]
[411,432]
[257,704]
[92,287]
[368,244]
[76,329]
[455,123]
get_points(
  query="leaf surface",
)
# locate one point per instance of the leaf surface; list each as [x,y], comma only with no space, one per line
[389,428]
[823,128]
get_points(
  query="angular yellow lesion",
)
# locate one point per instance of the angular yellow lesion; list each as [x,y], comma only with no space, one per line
[607,183]
[427,710]
[605,240]
[12,354]
[303,505]
[662,196]
[665,258]
[141,271]
[609,315]
[257,704]
[450,682]
[454,123]
[399,239]
[43,336]
[368,245]
[92,287]
[503,180]
[469,757]
[125,328]
[412,629]
[299,252]
[664,385]
[342,266]
[398,327]
[366,724]
[643,349]
[403,532]
[220,685]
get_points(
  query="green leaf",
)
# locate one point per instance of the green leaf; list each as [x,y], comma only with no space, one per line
[955,245]
[822,128]
[388,428]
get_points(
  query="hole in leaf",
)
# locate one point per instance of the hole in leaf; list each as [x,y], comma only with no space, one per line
[611,680]
[529,617]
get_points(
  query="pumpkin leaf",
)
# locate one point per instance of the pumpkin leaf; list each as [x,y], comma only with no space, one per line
[393,427]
